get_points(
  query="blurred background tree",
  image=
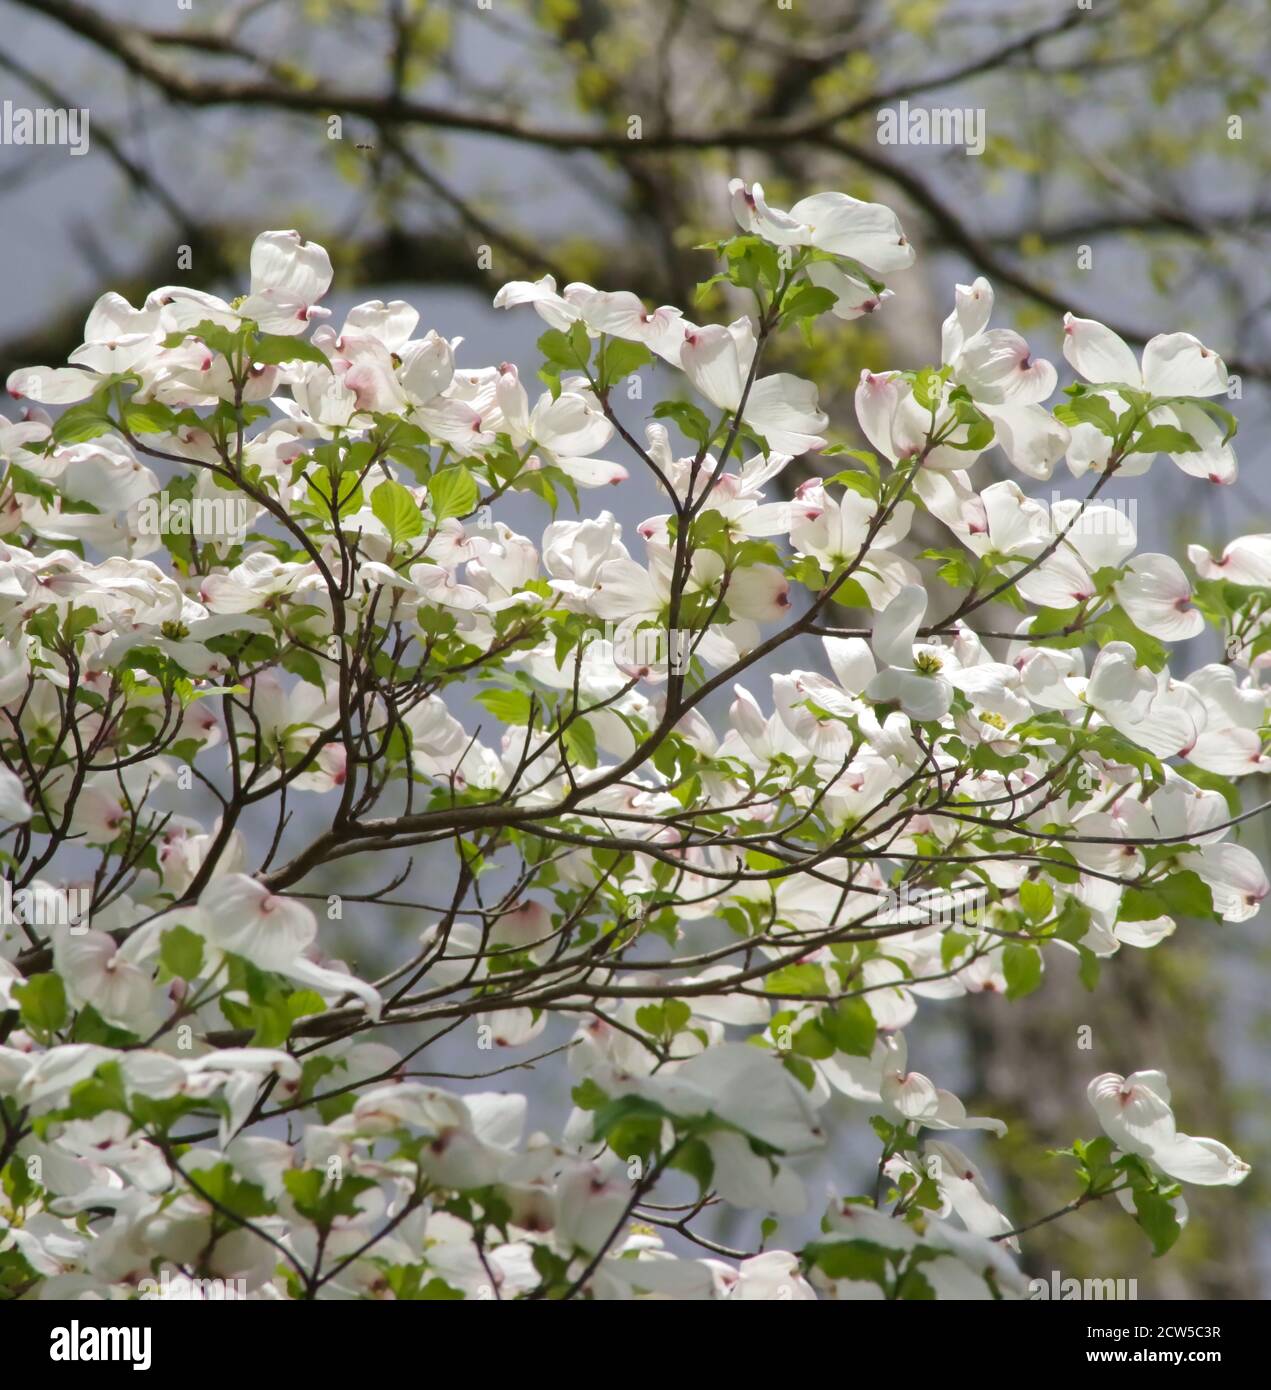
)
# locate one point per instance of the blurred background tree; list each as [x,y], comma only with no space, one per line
[441,147]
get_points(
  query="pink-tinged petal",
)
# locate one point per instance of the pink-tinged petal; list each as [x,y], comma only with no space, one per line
[51,385]
[998,368]
[570,424]
[923,696]
[753,214]
[1132,1111]
[1155,593]
[761,592]
[1213,460]
[278,311]
[1090,449]
[13,803]
[624,589]
[1236,878]
[550,306]
[1176,364]
[285,263]
[1101,535]
[877,397]
[1058,582]
[972,309]
[1230,752]
[1117,680]
[866,232]
[1099,354]
[593,472]
[242,916]
[1205,1162]
[391,324]
[1170,726]
[1246,560]
[992,686]
[710,360]
[427,368]
[854,298]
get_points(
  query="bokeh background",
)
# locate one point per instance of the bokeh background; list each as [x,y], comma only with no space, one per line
[1124,177]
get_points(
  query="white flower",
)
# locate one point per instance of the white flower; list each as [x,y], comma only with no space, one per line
[1235,877]
[117,338]
[1135,1113]
[289,276]
[1154,591]
[568,429]
[912,680]
[1246,560]
[1006,381]
[783,409]
[1173,365]
[834,222]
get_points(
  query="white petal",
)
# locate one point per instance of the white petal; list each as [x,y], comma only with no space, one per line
[1176,364]
[865,232]
[1099,354]
[897,626]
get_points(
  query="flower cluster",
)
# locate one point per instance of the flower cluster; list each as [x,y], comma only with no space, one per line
[734,879]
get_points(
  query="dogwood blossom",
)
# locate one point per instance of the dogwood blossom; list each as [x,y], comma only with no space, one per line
[744,793]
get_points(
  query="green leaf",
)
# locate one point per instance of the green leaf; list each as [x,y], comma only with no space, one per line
[622,358]
[580,743]
[507,706]
[694,1158]
[587,1095]
[1182,894]
[1116,625]
[572,349]
[1116,748]
[811,1040]
[453,492]
[851,1025]
[807,302]
[232,1193]
[859,1260]
[1155,1214]
[29,485]
[1022,966]
[1073,921]
[226,341]
[692,423]
[1163,439]
[796,979]
[1089,969]
[276,348]
[958,569]
[149,417]
[928,386]
[42,1000]
[181,951]
[303,664]
[398,511]
[80,422]
[806,571]
[1088,410]
[1036,899]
